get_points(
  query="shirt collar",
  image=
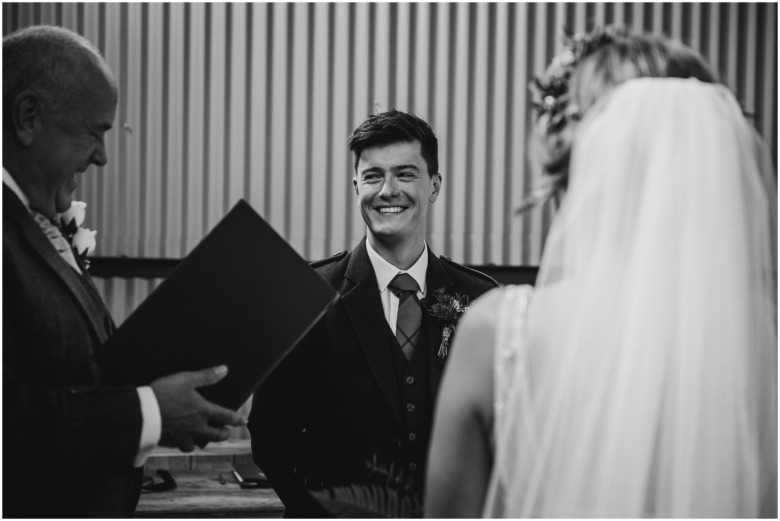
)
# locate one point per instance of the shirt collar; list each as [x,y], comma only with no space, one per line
[11,183]
[385,272]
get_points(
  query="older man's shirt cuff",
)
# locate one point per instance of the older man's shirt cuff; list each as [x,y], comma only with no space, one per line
[152,425]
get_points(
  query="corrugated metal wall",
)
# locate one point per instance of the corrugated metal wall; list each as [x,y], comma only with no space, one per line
[224,101]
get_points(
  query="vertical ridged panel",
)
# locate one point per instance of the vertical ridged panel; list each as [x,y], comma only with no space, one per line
[123,296]
[226,101]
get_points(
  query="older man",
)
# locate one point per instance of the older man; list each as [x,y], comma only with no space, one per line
[72,444]
[356,397]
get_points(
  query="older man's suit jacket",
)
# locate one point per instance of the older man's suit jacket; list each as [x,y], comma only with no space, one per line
[336,402]
[68,441]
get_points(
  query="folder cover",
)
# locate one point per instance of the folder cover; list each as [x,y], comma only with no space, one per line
[243,297]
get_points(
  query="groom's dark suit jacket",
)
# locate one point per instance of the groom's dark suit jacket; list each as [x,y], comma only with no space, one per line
[342,398]
[68,442]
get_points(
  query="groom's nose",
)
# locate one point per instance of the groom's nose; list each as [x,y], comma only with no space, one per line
[389,187]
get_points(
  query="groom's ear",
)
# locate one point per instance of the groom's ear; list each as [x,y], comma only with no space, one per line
[436,188]
[354,184]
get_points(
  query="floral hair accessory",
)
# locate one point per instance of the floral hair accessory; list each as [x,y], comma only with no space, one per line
[552,87]
[555,111]
[82,240]
[448,309]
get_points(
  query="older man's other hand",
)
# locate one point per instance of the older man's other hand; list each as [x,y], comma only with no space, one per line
[187,417]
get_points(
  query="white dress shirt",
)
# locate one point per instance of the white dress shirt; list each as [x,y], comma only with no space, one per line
[151,429]
[386,272]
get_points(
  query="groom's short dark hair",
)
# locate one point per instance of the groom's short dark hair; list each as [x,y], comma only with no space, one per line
[395,126]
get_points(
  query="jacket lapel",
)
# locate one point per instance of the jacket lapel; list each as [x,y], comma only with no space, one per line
[436,278]
[364,309]
[90,303]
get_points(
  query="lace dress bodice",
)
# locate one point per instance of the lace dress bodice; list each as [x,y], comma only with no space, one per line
[510,390]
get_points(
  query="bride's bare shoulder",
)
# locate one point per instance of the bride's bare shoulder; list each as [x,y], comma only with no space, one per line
[484,312]
[476,332]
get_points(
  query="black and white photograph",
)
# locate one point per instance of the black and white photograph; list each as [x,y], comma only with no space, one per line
[390,259]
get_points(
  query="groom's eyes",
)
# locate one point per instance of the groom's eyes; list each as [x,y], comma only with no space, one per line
[376,177]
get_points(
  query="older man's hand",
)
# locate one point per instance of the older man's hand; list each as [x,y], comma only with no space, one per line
[187,417]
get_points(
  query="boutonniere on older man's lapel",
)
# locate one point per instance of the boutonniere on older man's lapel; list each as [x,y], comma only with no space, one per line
[448,309]
[82,240]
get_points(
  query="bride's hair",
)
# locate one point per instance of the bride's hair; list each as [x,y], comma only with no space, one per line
[591,66]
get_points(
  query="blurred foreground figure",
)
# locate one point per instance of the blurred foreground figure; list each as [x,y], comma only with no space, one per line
[639,378]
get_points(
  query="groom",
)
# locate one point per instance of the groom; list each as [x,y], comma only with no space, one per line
[359,390]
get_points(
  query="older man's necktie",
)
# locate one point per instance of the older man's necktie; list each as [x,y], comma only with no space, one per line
[409,322]
[56,238]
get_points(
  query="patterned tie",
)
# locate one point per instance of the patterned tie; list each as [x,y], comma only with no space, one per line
[57,240]
[407,327]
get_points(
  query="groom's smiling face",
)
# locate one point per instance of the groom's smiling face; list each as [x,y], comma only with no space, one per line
[394,191]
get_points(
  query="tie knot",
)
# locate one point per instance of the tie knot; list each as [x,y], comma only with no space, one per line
[51,229]
[402,283]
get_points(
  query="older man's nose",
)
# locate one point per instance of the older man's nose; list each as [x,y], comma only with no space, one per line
[99,156]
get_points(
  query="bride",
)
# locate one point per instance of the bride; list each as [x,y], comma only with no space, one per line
[639,379]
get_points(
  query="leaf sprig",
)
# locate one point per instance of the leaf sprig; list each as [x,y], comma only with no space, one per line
[387,493]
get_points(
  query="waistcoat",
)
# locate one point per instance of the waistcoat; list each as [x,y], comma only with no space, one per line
[417,407]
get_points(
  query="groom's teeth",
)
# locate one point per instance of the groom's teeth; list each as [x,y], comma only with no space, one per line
[393,209]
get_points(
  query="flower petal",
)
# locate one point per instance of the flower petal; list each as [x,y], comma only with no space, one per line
[84,241]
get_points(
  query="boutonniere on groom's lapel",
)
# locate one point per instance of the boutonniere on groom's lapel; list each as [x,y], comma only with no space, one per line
[82,240]
[448,309]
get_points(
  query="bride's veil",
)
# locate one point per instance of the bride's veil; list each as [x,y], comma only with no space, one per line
[648,386]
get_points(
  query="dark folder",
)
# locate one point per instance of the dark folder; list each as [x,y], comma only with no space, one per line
[243,297]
